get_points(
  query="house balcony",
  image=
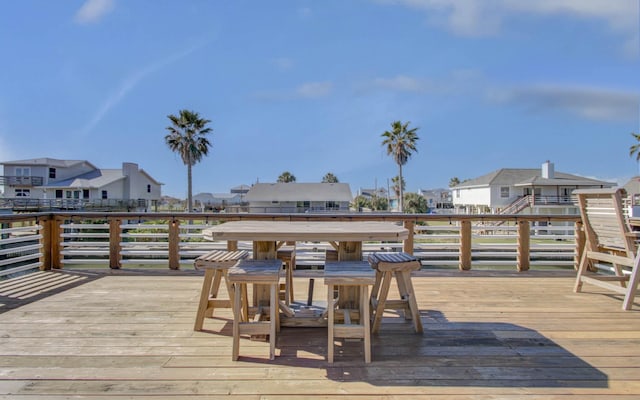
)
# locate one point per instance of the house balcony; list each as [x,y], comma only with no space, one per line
[110,306]
[23,181]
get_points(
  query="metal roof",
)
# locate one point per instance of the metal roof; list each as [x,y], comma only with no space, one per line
[529,177]
[299,192]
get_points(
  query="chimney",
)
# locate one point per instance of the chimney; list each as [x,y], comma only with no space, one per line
[547,170]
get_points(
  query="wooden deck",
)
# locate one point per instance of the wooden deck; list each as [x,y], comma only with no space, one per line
[505,335]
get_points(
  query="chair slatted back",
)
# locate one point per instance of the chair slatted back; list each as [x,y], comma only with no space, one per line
[604,221]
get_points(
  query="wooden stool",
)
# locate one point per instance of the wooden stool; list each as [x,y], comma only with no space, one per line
[215,265]
[260,273]
[399,265]
[343,275]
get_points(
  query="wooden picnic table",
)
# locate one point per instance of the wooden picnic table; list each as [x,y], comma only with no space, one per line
[345,237]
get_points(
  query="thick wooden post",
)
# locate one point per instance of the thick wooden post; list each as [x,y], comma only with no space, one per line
[54,252]
[524,245]
[578,232]
[115,237]
[465,245]
[232,245]
[174,244]
[45,242]
[407,246]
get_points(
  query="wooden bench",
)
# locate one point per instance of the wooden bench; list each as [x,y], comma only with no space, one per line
[353,305]
[215,264]
[261,274]
[388,265]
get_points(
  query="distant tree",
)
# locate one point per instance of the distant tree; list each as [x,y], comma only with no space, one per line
[635,148]
[379,203]
[360,202]
[454,181]
[396,187]
[330,178]
[187,137]
[400,142]
[286,177]
[415,204]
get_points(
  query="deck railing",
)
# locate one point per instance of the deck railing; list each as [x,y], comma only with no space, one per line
[120,240]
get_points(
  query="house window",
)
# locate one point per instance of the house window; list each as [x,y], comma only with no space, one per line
[103,194]
[68,194]
[148,188]
[85,193]
[504,192]
[23,171]
[58,193]
[52,173]
[331,205]
[23,192]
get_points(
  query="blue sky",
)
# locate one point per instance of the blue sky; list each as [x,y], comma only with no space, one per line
[309,86]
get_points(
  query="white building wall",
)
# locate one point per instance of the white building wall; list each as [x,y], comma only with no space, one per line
[474,196]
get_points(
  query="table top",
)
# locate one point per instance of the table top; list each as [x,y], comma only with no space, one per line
[358,231]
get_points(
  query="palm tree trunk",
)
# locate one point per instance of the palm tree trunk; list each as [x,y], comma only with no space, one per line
[401,199]
[189,199]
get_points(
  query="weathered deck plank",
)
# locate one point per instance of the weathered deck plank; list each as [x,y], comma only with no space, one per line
[487,336]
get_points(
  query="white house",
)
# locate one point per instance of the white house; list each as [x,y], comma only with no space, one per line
[437,198]
[296,197]
[522,190]
[80,181]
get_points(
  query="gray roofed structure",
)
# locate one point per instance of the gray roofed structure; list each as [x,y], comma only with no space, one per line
[52,162]
[528,177]
[299,192]
[93,179]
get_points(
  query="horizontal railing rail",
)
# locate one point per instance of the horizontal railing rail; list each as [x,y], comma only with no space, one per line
[120,240]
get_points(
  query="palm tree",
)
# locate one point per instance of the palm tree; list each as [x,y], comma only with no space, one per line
[395,181]
[286,177]
[454,181]
[187,137]
[330,178]
[400,143]
[635,149]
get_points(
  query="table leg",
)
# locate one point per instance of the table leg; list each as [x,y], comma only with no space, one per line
[330,323]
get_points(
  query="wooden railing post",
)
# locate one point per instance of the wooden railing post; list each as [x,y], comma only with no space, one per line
[115,237]
[524,245]
[407,246]
[174,244]
[465,245]
[578,232]
[45,242]
[232,245]
[54,252]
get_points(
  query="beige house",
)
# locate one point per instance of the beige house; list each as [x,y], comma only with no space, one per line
[296,197]
[78,182]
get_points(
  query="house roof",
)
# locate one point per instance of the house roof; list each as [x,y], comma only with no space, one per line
[241,189]
[529,177]
[299,192]
[45,161]
[94,179]
[633,186]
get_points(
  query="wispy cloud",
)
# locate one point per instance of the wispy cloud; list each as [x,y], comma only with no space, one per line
[130,82]
[587,102]
[305,91]
[313,90]
[486,17]
[453,82]
[93,11]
